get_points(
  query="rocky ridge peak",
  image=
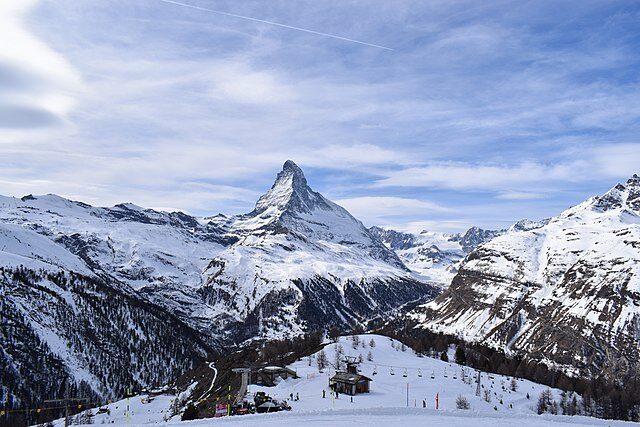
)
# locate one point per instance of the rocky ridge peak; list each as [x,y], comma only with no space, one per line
[290,193]
[621,196]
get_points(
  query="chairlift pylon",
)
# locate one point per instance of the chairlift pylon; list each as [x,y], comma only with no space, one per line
[391,372]
[433,375]
[419,373]
[375,370]
[405,373]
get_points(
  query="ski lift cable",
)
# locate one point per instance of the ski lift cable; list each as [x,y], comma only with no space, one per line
[414,368]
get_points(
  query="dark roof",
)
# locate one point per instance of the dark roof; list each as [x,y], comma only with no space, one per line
[349,378]
[277,369]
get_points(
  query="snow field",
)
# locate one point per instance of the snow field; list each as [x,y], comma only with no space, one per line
[387,402]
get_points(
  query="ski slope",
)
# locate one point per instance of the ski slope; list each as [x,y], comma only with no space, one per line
[387,402]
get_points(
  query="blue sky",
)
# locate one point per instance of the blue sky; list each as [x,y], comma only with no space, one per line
[482,114]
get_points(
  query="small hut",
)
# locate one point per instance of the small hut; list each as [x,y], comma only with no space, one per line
[350,382]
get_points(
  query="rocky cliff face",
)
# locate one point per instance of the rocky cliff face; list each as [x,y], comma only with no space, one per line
[565,292]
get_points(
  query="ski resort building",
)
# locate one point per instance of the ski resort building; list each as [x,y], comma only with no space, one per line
[350,382]
[270,375]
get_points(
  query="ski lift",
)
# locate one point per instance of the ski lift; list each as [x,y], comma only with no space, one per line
[391,372]
[445,373]
[375,370]
[455,377]
[405,373]
[433,375]
[419,373]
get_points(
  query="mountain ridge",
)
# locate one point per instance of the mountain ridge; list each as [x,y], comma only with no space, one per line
[565,293]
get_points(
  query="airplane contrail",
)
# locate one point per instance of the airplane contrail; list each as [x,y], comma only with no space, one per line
[291,27]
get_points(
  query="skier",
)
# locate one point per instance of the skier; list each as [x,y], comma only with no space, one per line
[323,394]
[297,397]
[424,403]
[291,397]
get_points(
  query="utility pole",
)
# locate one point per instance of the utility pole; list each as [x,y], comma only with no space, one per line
[67,401]
[407,395]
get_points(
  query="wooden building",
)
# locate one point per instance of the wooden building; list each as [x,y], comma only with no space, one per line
[350,382]
[270,375]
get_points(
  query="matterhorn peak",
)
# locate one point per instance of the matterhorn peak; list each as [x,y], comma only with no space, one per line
[291,175]
[290,193]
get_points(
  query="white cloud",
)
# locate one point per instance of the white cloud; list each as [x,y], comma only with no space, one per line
[236,82]
[37,85]
[461,176]
[519,195]
[375,210]
[348,155]
[616,160]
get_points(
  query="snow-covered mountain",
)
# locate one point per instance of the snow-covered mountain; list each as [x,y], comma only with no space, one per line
[93,287]
[565,292]
[302,262]
[78,286]
[435,256]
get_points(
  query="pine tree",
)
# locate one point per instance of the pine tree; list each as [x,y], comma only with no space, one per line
[370,356]
[372,343]
[461,357]
[573,406]
[462,402]
[322,360]
[355,341]
[338,357]
[191,413]
[545,403]
[564,402]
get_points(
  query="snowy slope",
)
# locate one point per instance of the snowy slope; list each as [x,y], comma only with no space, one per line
[435,256]
[566,293]
[159,255]
[387,401]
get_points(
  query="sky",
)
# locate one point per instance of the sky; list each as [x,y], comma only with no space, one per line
[415,115]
